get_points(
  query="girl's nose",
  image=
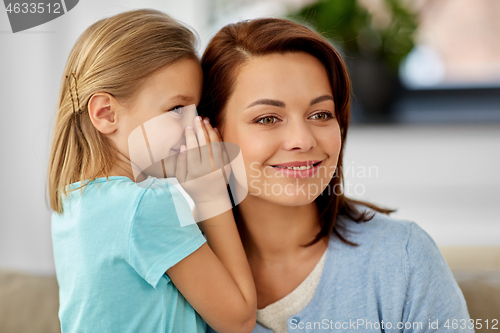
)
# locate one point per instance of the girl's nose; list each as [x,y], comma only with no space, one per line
[299,136]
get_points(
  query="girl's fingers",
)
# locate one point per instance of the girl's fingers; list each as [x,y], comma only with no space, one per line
[200,131]
[219,152]
[169,164]
[213,136]
[225,156]
[215,145]
[205,147]
[191,141]
[210,156]
[181,169]
[193,154]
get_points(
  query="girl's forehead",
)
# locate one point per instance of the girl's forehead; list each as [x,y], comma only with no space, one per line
[181,80]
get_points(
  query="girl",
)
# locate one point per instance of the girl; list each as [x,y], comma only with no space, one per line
[123,261]
[321,262]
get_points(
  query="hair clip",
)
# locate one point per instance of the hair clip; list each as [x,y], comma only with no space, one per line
[76,93]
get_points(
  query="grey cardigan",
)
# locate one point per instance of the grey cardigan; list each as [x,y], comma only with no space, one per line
[396,280]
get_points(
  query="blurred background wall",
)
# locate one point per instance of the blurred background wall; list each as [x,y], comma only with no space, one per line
[426,141]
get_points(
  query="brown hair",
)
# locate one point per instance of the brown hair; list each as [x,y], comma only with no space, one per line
[114,55]
[227,52]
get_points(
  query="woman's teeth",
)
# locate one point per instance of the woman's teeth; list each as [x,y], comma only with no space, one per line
[297,168]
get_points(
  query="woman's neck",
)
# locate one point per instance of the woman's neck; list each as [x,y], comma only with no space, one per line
[272,232]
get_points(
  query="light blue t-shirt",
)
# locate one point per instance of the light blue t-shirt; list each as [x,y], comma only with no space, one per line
[112,246]
[395,281]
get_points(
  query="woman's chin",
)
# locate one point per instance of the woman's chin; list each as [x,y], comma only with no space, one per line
[287,193]
[292,200]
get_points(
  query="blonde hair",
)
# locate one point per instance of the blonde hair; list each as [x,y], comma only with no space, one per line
[114,55]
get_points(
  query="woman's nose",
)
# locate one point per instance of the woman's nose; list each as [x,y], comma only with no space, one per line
[299,136]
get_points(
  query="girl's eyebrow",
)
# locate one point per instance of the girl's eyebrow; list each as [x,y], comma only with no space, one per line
[281,104]
[167,101]
[182,98]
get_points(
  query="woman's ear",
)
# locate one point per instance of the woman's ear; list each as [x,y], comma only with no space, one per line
[102,112]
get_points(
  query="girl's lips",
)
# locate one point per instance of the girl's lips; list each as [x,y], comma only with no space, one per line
[298,173]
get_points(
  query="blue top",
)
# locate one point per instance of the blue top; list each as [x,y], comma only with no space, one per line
[396,276]
[112,246]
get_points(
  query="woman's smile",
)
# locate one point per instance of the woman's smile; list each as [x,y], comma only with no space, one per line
[298,169]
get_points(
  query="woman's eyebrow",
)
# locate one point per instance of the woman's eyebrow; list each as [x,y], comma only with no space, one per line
[266,101]
[281,104]
[321,99]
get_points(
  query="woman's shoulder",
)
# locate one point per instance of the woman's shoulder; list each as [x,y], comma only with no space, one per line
[381,228]
[387,240]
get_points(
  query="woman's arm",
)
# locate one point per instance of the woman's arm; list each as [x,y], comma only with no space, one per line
[433,296]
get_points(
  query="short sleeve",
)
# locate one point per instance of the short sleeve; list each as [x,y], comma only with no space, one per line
[162,232]
[433,296]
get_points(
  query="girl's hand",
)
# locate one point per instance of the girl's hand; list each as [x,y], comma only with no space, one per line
[203,169]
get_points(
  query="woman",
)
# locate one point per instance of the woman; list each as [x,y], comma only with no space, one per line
[320,261]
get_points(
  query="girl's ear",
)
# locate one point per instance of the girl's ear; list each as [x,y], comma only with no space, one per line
[102,111]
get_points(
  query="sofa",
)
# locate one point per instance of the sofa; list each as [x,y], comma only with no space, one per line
[29,303]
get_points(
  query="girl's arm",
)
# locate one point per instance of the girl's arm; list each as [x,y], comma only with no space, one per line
[217,280]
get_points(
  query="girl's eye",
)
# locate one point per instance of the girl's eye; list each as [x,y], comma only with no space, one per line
[177,109]
[267,120]
[322,116]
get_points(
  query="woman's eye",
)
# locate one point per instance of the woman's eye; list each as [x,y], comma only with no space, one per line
[267,120]
[177,109]
[322,116]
